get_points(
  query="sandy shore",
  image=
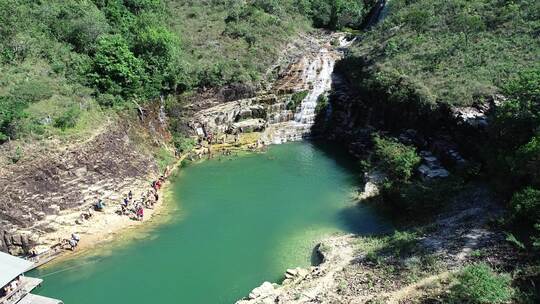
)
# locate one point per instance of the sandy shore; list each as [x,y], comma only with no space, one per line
[106,226]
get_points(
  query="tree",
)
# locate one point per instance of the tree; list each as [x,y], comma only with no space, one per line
[468,25]
[116,70]
[80,24]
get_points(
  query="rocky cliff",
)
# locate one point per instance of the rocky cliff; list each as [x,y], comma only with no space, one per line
[54,182]
[283,111]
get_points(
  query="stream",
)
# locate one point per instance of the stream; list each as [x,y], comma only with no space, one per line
[234,223]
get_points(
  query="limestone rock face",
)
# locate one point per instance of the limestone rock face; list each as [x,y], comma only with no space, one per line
[272,111]
[262,291]
[62,180]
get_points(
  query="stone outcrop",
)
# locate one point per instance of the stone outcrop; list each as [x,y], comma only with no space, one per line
[59,179]
[304,285]
[272,111]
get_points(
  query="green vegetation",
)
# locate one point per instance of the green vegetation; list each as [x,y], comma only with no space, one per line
[400,193]
[62,58]
[296,100]
[478,284]
[395,159]
[322,104]
[58,57]
[513,155]
[417,200]
[165,158]
[336,14]
[452,52]
[399,244]
[430,55]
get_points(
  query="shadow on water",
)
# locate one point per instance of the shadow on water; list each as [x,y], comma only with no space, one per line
[358,218]
[363,219]
[341,156]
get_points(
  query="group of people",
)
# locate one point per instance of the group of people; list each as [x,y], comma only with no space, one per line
[135,208]
[73,242]
[11,287]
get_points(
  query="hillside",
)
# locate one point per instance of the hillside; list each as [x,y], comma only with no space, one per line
[62,62]
[452,52]
[438,101]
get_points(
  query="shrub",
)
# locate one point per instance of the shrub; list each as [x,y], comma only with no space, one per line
[17,155]
[478,284]
[296,100]
[402,243]
[322,104]
[396,159]
[10,112]
[420,197]
[68,119]
[525,206]
[182,143]
[337,14]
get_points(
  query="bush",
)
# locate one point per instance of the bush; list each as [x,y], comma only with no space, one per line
[337,14]
[10,112]
[296,100]
[68,119]
[478,284]
[402,243]
[525,206]
[396,159]
[183,144]
[322,104]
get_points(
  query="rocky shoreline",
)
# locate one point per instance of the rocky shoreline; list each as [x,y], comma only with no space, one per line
[358,269]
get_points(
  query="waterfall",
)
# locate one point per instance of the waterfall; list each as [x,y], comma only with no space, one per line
[320,76]
[270,112]
[317,79]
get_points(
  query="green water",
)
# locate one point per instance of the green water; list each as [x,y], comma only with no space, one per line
[236,223]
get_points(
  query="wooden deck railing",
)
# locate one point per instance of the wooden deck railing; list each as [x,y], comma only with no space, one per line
[14,296]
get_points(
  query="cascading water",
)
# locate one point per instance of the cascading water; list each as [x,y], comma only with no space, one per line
[322,81]
[270,112]
[318,78]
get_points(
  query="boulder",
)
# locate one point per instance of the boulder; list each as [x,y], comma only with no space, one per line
[262,291]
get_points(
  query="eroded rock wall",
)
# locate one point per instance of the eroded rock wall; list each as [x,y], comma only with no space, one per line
[58,179]
[273,111]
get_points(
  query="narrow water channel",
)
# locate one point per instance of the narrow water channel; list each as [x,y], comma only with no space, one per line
[236,223]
